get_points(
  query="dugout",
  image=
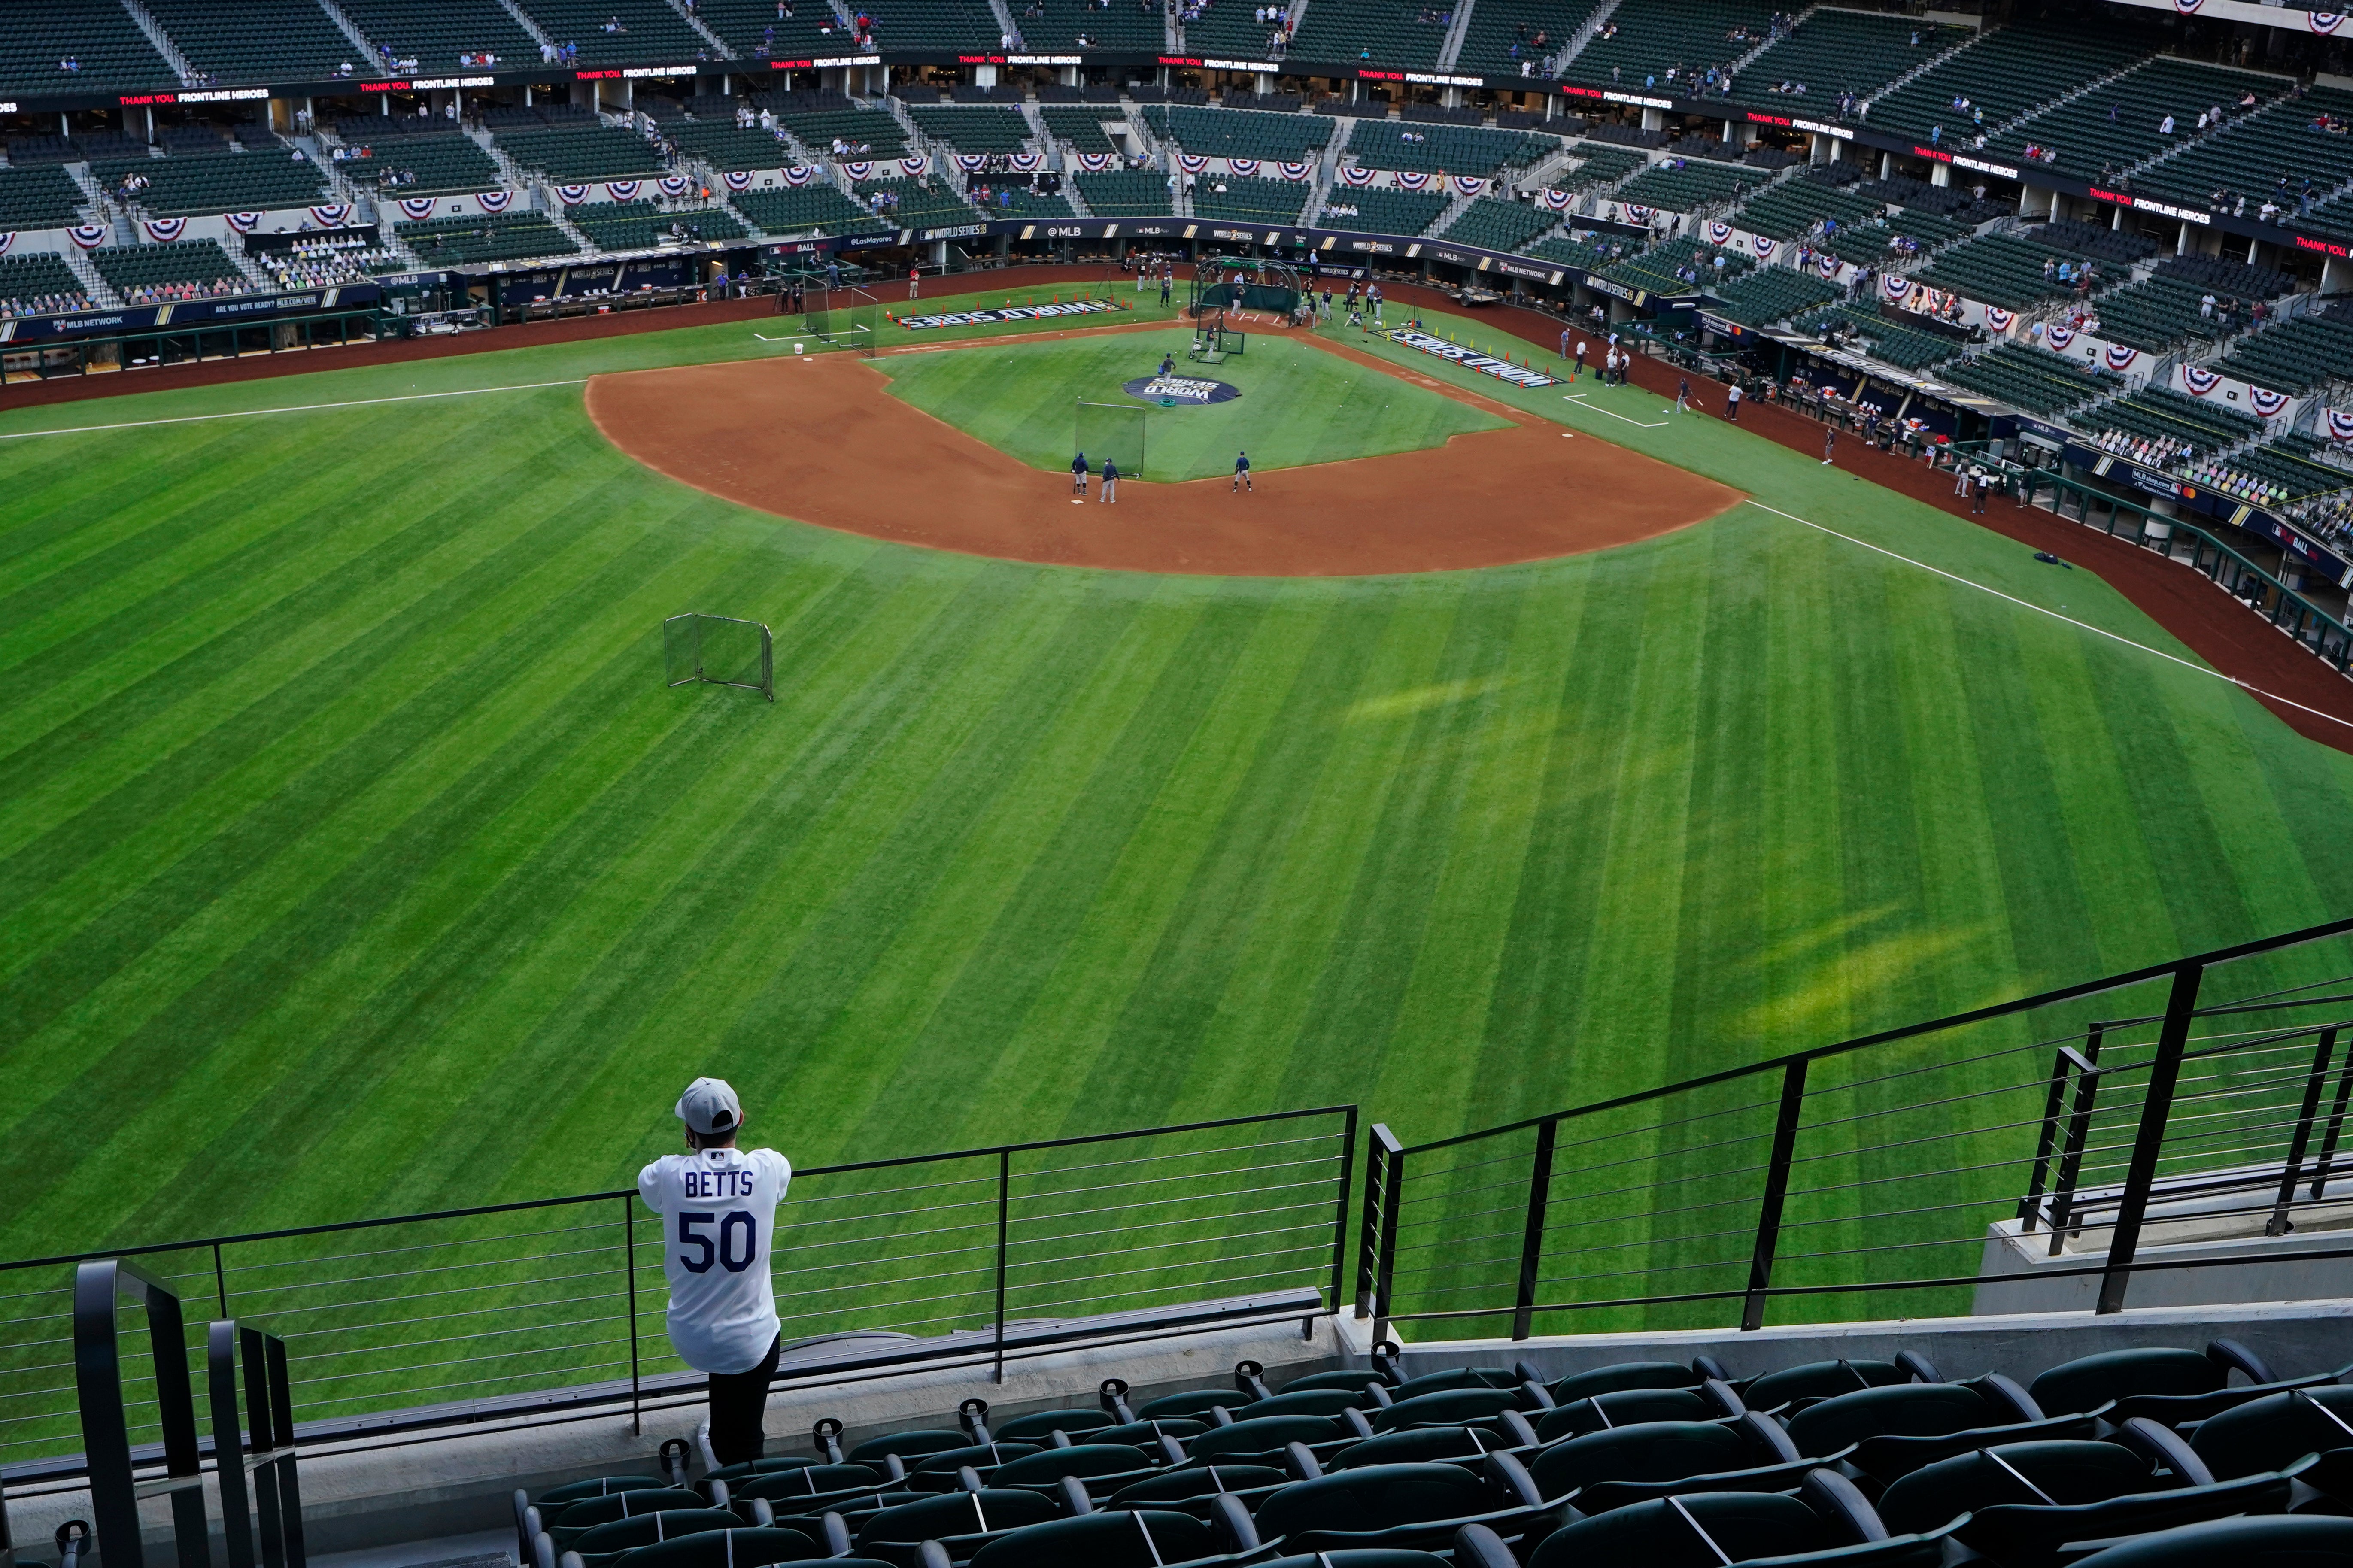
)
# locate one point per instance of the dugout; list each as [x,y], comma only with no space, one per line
[100,355]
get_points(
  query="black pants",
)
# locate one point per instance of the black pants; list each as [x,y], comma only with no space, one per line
[738,1400]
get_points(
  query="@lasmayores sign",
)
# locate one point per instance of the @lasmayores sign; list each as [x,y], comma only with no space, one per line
[1181,391]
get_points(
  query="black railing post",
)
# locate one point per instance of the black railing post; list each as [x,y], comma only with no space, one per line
[1777,1190]
[2293,1171]
[1532,1238]
[2335,1128]
[1340,1213]
[2046,1141]
[220,1281]
[281,1436]
[1379,1145]
[2148,1143]
[2079,1132]
[1004,1221]
[1386,1278]
[229,1442]
[253,1353]
[105,1428]
[629,1283]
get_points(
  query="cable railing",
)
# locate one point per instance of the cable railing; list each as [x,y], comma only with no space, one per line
[545,1309]
[2203,1099]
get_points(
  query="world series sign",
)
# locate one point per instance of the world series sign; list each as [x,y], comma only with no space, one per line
[1180,391]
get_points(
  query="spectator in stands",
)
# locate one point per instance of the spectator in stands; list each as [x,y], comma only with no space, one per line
[722,1319]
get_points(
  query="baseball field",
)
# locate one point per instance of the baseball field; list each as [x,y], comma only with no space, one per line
[355,859]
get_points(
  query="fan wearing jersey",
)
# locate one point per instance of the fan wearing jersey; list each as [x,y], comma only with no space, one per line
[718,1204]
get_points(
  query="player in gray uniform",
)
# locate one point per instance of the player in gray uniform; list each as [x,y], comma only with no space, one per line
[1241,471]
[1110,480]
[718,1204]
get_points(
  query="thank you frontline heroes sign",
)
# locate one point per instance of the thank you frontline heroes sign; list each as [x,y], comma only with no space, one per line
[1180,391]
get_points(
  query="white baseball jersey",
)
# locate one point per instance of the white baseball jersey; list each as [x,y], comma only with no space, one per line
[719,1215]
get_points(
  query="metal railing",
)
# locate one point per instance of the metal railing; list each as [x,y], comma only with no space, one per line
[2200,1099]
[544,1309]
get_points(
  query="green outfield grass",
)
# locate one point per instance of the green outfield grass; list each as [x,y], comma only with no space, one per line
[1299,405]
[353,858]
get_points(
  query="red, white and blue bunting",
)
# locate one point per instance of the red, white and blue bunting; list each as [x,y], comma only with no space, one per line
[417,209]
[1027,163]
[1191,164]
[673,185]
[738,180]
[623,190]
[244,223]
[2199,380]
[1999,320]
[2324,23]
[89,235]
[1246,167]
[858,170]
[1558,201]
[1413,179]
[1765,247]
[2188,7]
[494,201]
[913,166]
[1093,163]
[2120,357]
[1638,214]
[164,230]
[798,177]
[572,195]
[1297,171]
[1717,233]
[973,163]
[1352,176]
[1827,265]
[1471,185]
[2266,404]
[6,239]
[2062,336]
[1897,287]
[332,216]
[2340,423]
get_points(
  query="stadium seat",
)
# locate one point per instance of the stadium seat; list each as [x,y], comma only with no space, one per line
[1603,1470]
[1631,1375]
[1312,1401]
[1197,1401]
[937,1472]
[743,1548]
[961,1521]
[1192,1489]
[605,1543]
[2089,1381]
[1897,1429]
[1123,1539]
[1459,1445]
[568,1522]
[1821,1380]
[1264,1442]
[2276,1431]
[599,1485]
[2301,1542]
[807,1489]
[1712,1401]
[1399,1506]
[1825,1519]
[908,1446]
[1103,1467]
[1043,1423]
[1452,1407]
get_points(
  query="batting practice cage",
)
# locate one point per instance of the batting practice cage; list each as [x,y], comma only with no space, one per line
[1241,285]
[719,650]
[1113,432]
[845,318]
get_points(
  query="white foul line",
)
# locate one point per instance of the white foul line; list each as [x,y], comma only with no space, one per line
[297,408]
[1578,398]
[2038,609]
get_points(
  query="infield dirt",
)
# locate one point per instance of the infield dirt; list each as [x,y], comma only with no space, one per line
[820,440]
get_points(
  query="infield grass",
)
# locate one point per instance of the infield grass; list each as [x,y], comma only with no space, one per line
[353,858]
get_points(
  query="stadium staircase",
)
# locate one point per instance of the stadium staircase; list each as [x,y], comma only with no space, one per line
[349,29]
[1931,63]
[1539,174]
[93,283]
[1740,63]
[522,19]
[1585,34]
[1451,49]
[718,45]
[2079,90]
[161,39]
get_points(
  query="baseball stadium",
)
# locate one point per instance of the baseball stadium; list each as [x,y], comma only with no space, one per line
[1512,783]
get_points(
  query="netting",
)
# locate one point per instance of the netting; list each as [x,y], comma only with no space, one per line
[1113,432]
[719,650]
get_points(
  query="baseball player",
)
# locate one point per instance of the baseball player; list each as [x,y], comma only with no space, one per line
[1830,445]
[1732,403]
[1682,394]
[1110,481]
[718,1204]
[1241,471]
[1576,367]
[1356,317]
[1375,296]
[914,282]
[1167,364]
[1079,475]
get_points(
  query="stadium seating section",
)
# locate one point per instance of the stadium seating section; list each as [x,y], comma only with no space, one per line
[1132,25]
[1229,133]
[1661,268]
[467,241]
[2096,241]
[2155,315]
[2117,124]
[319,263]
[1125,193]
[1590,256]
[230,181]
[1017,201]
[1495,224]
[2032,379]
[914,203]
[811,208]
[652,31]
[39,284]
[571,154]
[642,226]
[1796,208]
[42,196]
[2251,156]
[1598,165]
[2298,356]
[1650,36]
[256,40]
[867,133]
[1833,52]
[1767,295]
[753,30]
[1394,32]
[727,147]
[933,23]
[1380,210]
[1079,126]
[2011,72]
[1227,28]
[190,269]
[2278,474]
[433,33]
[1998,269]
[1688,187]
[1455,149]
[1498,27]
[1862,330]
[974,130]
[2152,1453]
[2186,427]
[1229,198]
[98,36]
[421,166]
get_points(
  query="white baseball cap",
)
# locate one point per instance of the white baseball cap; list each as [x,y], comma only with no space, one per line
[710,1107]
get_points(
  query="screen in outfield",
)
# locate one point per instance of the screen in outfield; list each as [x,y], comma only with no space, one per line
[1472,359]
